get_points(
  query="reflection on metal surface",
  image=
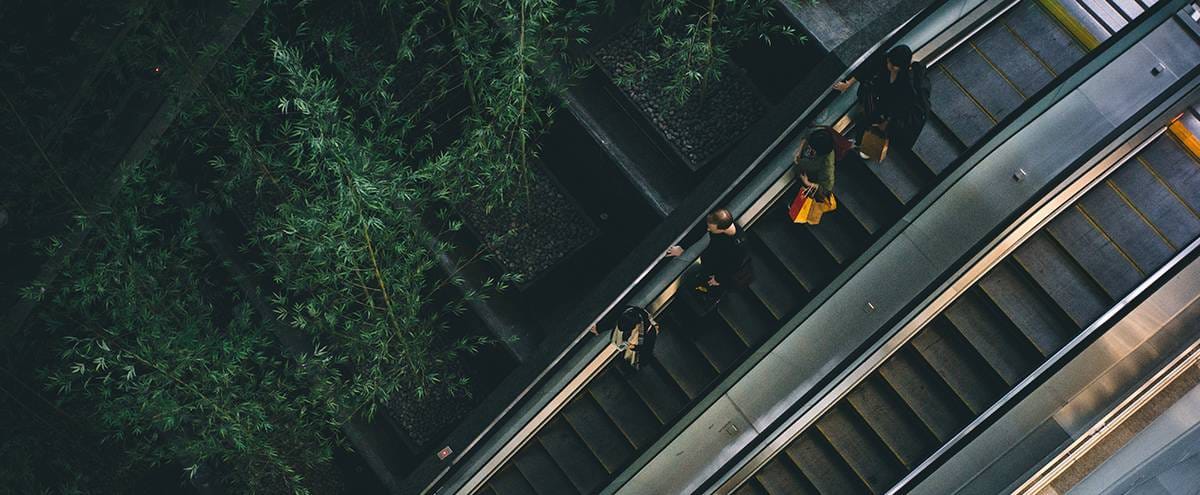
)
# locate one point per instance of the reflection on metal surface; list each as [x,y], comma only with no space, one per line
[1041,480]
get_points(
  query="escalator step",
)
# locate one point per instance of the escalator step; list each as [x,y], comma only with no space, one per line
[1116,273]
[751,487]
[836,232]
[902,431]
[598,432]
[580,466]
[772,284]
[822,465]
[982,82]
[486,490]
[937,147]
[546,476]
[1126,228]
[864,195]
[747,316]
[683,362]
[796,249]
[658,390]
[867,456]
[963,369]
[625,408]
[711,336]
[510,481]
[1105,13]
[961,115]
[1152,198]
[929,398]
[1041,33]
[994,336]
[1176,167]
[1063,279]
[780,477]
[1130,8]
[900,175]
[1014,59]
[1025,306]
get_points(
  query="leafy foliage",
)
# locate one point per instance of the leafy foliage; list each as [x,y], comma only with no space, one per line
[170,364]
[695,38]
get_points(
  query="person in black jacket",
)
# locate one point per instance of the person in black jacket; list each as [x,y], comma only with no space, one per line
[725,265]
[893,95]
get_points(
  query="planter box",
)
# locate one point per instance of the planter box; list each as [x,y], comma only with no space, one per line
[542,227]
[697,130]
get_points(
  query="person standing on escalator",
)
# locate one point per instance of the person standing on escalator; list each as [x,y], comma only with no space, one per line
[893,97]
[725,266]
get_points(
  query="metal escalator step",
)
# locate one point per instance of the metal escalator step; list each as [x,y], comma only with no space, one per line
[1041,33]
[780,477]
[1116,273]
[751,487]
[864,194]
[1125,227]
[937,147]
[822,465]
[867,456]
[899,428]
[1176,167]
[1013,58]
[658,390]
[962,116]
[997,340]
[1152,198]
[903,176]
[795,248]
[1057,272]
[579,464]
[545,475]
[778,290]
[510,481]
[686,366]
[982,81]
[840,237]
[925,394]
[598,432]
[959,365]
[625,408]
[1130,8]
[1028,309]
[747,315]
[1101,10]
[711,336]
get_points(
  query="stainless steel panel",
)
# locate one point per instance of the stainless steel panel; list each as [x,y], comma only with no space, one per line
[1152,451]
[1164,42]
[1111,89]
[714,438]
[987,194]
[1080,413]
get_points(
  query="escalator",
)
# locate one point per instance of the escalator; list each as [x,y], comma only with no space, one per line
[620,413]
[1021,312]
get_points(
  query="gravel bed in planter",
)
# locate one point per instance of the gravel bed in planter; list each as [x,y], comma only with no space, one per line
[698,129]
[425,420]
[542,227]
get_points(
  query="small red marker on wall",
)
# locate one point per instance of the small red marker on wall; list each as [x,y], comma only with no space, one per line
[444,453]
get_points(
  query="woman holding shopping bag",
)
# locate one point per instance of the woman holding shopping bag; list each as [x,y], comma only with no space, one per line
[814,166]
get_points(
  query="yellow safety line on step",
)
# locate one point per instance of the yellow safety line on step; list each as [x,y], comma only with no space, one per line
[1185,137]
[1071,24]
